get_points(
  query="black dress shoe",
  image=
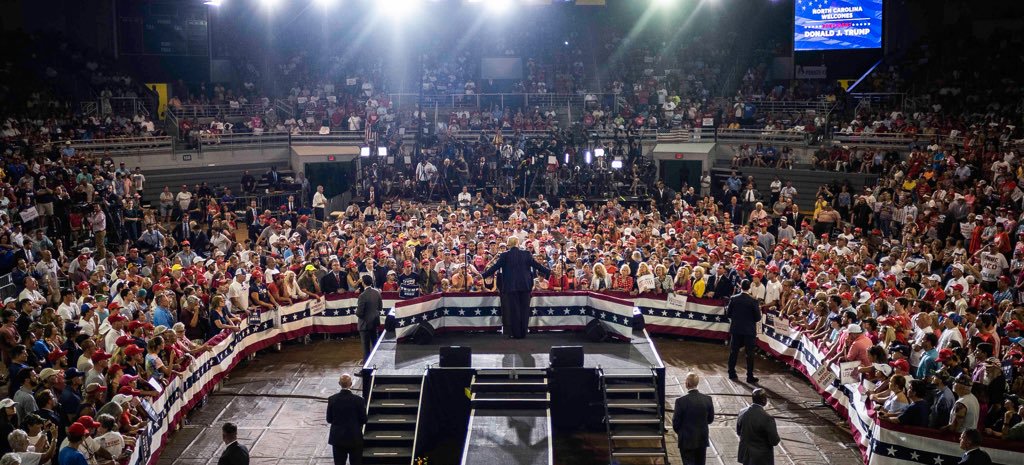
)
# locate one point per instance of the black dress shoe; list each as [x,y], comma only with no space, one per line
[734,377]
[752,379]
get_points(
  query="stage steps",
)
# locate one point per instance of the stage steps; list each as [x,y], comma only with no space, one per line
[392,412]
[510,420]
[634,418]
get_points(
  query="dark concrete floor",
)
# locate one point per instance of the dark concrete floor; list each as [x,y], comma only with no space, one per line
[277,403]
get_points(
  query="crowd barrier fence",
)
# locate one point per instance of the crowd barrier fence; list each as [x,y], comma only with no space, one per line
[880,443]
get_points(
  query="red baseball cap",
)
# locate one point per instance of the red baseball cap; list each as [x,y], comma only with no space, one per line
[77,429]
[128,390]
[88,422]
[115,317]
[1015,325]
[100,356]
[901,364]
[133,350]
[944,355]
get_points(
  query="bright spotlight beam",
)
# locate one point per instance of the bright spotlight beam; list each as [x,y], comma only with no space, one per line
[396,8]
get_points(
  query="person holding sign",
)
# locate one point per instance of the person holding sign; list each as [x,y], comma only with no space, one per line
[744,313]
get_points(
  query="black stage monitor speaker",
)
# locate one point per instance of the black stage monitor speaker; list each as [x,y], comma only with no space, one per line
[595,331]
[566,357]
[423,333]
[456,357]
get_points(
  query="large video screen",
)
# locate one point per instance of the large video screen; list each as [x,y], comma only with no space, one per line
[837,24]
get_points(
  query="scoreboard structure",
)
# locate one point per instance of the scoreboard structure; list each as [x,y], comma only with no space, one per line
[162,28]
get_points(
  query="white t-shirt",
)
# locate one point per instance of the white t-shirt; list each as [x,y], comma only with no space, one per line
[68,312]
[241,292]
[992,265]
[30,458]
[112,442]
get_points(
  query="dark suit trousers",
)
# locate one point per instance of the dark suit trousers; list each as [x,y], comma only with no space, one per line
[368,339]
[736,342]
[352,452]
[515,313]
[693,456]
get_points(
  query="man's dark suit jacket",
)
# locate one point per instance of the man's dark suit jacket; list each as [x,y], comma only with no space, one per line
[693,413]
[744,313]
[346,413]
[330,283]
[234,454]
[515,266]
[721,286]
[975,457]
[758,436]
[368,309]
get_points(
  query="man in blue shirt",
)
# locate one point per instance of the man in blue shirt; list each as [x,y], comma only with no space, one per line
[70,455]
[931,357]
[162,316]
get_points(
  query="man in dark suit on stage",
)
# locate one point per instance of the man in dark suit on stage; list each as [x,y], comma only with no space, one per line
[346,413]
[234,453]
[516,267]
[690,420]
[757,432]
[744,313]
[368,309]
[970,442]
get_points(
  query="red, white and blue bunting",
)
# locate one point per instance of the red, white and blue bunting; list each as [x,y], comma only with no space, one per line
[881,444]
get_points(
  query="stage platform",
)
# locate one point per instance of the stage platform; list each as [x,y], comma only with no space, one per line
[492,350]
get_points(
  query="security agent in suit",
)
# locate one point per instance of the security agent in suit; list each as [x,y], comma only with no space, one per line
[517,266]
[346,413]
[334,280]
[757,432]
[693,413]
[234,453]
[744,313]
[970,442]
[368,310]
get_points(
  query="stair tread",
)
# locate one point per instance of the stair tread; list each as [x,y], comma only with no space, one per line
[632,403]
[510,396]
[394,403]
[637,451]
[637,433]
[629,387]
[634,418]
[387,435]
[387,452]
[391,418]
[396,388]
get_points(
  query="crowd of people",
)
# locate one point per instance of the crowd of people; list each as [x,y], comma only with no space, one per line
[917,278]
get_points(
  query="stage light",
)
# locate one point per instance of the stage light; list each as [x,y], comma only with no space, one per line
[598,153]
[587,158]
[617,164]
[382,151]
[325,3]
[213,2]
[269,5]
[499,7]
[398,8]
[364,151]
[567,158]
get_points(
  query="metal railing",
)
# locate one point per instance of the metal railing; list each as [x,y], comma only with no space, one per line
[223,110]
[784,137]
[820,106]
[125,145]
[231,141]
[456,101]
